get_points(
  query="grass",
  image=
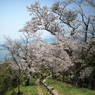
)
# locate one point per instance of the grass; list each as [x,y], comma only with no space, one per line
[27,90]
[68,89]
[44,90]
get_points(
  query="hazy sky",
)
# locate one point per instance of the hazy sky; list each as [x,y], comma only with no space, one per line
[14,14]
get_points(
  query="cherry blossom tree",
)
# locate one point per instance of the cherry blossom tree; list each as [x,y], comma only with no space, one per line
[66,25]
[23,53]
[73,50]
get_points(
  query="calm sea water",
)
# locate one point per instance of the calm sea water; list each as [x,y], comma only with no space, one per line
[3,53]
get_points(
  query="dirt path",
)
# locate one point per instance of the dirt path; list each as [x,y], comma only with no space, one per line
[54,91]
[40,92]
[38,88]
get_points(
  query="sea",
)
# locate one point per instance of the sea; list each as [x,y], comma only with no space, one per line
[3,54]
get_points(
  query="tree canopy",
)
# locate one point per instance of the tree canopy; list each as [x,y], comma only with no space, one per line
[73,52]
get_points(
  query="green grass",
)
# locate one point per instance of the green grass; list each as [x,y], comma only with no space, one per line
[68,89]
[27,90]
[44,90]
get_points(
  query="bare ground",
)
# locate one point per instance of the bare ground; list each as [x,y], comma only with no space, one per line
[38,88]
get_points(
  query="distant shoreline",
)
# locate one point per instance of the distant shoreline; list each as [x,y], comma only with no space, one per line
[3,53]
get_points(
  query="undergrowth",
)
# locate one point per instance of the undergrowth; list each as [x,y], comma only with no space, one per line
[64,88]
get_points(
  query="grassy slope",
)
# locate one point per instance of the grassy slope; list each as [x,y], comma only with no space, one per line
[30,90]
[67,89]
[44,90]
[27,90]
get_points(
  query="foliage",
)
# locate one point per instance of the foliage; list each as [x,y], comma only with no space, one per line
[68,89]
[26,90]
[5,81]
[29,90]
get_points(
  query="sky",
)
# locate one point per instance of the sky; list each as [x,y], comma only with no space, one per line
[14,14]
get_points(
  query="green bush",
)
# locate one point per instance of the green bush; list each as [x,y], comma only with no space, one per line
[5,81]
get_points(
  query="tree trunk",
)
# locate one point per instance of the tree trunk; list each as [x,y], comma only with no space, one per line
[53,76]
[92,80]
[76,80]
[62,78]
[85,39]
[18,86]
[27,82]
